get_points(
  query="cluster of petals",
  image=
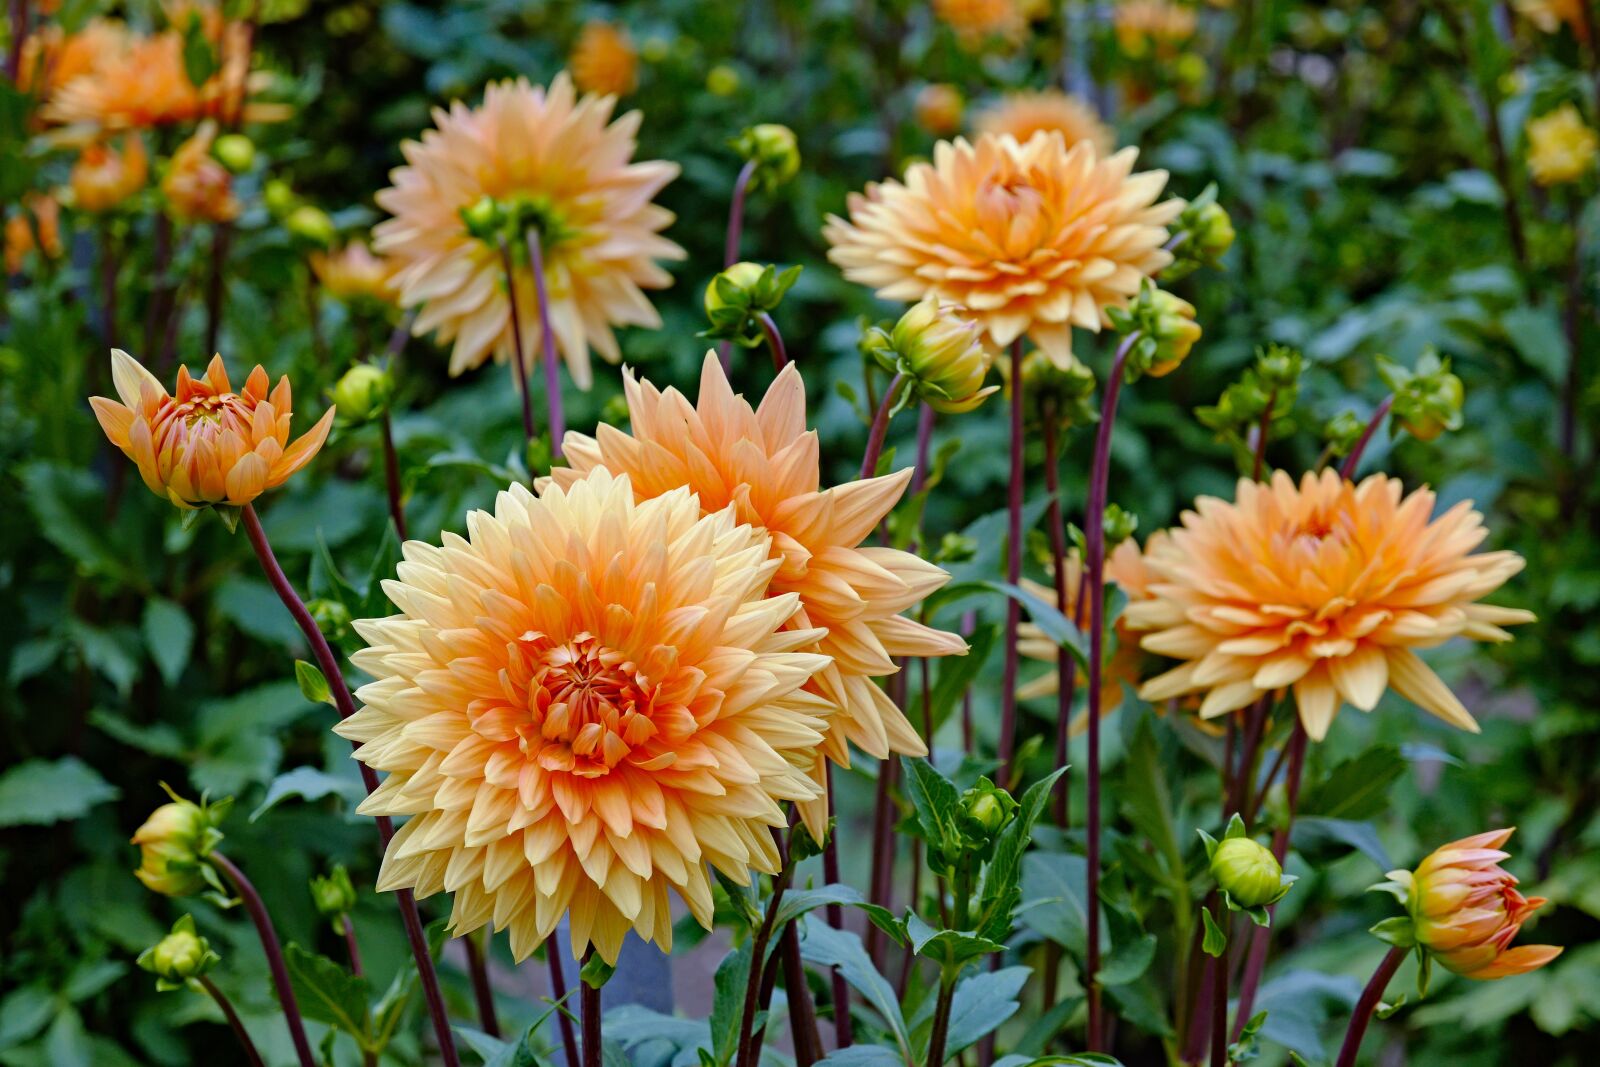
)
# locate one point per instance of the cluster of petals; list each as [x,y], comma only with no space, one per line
[1024,114]
[1033,238]
[580,706]
[1466,909]
[205,444]
[1324,586]
[564,154]
[763,463]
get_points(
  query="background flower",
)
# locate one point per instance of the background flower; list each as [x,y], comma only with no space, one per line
[1024,114]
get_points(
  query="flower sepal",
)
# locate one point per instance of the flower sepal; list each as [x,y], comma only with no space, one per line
[179,959]
[1247,874]
[737,296]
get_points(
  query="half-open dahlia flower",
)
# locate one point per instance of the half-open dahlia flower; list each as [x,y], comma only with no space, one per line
[1024,114]
[206,444]
[1326,586]
[1032,239]
[604,60]
[763,462]
[579,706]
[552,158]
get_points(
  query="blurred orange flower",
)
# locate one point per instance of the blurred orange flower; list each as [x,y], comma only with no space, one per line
[604,60]
[1155,28]
[1024,114]
[51,57]
[104,177]
[1328,587]
[197,187]
[975,20]
[206,444]
[580,706]
[353,273]
[939,108]
[1032,239]
[1548,16]
[547,157]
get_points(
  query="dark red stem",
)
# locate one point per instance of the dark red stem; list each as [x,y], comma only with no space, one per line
[589,1008]
[523,385]
[1262,432]
[1014,488]
[730,248]
[269,943]
[780,354]
[391,476]
[842,1030]
[352,947]
[482,991]
[1371,996]
[558,993]
[880,427]
[252,1057]
[1347,469]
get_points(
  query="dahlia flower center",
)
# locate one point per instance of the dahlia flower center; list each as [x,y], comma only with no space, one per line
[589,706]
[201,418]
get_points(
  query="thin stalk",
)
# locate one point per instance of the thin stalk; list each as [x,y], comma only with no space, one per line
[1347,469]
[109,263]
[1008,683]
[1219,1016]
[758,966]
[780,354]
[547,337]
[730,248]
[589,1007]
[409,917]
[842,1030]
[802,1013]
[940,1032]
[251,1055]
[19,34]
[1262,431]
[1066,667]
[269,943]
[159,266]
[1094,580]
[352,947]
[558,993]
[399,335]
[881,888]
[880,427]
[1370,998]
[1257,960]
[523,385]
[482,991]
[391,476]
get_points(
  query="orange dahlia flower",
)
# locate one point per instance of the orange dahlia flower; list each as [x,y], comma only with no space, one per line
[764,463]
[604,60]
[579,706]
[562,161]
[1466,909]
[353,273]
[1146,27]
[1328,587]
[975,20]
[196,186]
[104,177]
[207,444]
[1033,239]
[1024,114]
[51,57]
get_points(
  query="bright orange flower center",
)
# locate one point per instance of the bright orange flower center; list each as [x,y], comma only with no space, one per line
[590,705]
[201,419]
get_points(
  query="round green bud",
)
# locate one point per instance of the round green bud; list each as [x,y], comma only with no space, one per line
[362,392]
[180,956]
[1213,232]
[311,225]
[278,197]
[987,812]
[331,616]
[772,147]
[234,151]
[1247,871]
[743,278]
[942,351]
[722,80]
[172,843]
[335,895]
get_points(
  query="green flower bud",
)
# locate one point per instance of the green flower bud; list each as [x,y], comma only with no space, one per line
[941,351]
[1174,329]
[334,895]
[173,844]
[1213,231]
[180,957]
[956,548]
[733,288]
[1056,392]
[1279,366]
[279,198]
[774,151]
[331,617]
[1118,525]
[484,218]
[1427,399]
[234,151]
[739,295]
[722,80]
[1342,432]
[985,811]
[362,393]
[1247,871]
[312,226]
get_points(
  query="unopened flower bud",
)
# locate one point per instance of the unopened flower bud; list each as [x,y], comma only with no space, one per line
[331,617]
[334,896]
[1427,399]
[173,843]
[312,226]
[179,957]
[722,80]
[1247,871]
[1342,432]
[1174,330]
[737,297]
[733,288]
[939,108]
[279,197]
[774,151]
[1056,391]
[234,151]
[941,351]
[1278,366]
[362,393]
[1213,232]
[985,811]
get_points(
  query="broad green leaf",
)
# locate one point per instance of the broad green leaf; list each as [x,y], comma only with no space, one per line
[39,792]
[798,902]
[1147,799]
[951,949]
[307,783]
[1001,888]
[1313,834]
[982,1002]
[729,986]
[68,506]
[1357,788]
[823,946]
[327,993]
[935,800]
[862,1056]
[169,635]
[1054,885]
[956,674]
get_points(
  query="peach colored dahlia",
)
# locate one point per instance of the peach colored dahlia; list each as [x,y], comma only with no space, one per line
[975,20]
[579,706]
[1033,239]
[1024,114]
[1326,586]
[206,444]
[562,158]
[763,462]
[604,60]
[353,273]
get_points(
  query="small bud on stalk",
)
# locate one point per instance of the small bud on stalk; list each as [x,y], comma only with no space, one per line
[362,393]
[1166,327]
[940,352]
[1427,399]
[737,297]
[174,843]
[334,896]
[1246,872]
[180,957]
[774,151]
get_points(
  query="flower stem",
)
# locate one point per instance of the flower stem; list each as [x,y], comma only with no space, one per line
[523,385]
[19,34]
[1370,997]
[780,354]
[558,993]
[1262,432]
[1094,582]
[269,943]
[252,1056]
[802,1013]
[547,338]
[391,476]
[589,1007]
[843,1035]
[741,186]
[1347,469]
[1008,683]
[352,947]
[880,427]
[1066,667]
[758,966]
[482,991]
[409,917]
[1219,1009]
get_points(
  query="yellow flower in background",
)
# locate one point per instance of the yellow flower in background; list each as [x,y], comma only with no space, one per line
[353,273]
[1466,909]
[552,158]
[1024,114]
[1326,587]
[604,61]
[196,186]
[580,706]
[104,177]
[939,108]
[976,20]
[205,444]
[1032,239]
[764,463]
[1561,148]
[1156,28]
[1548,16]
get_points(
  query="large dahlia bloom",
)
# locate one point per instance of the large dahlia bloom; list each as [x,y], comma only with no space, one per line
[1031,238]
[1466,909]
[763,463]
[579,706]
[1326,586]
[206,444]
[1024,114]
[551,156]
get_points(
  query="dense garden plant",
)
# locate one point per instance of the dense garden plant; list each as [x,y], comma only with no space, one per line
[1009,443]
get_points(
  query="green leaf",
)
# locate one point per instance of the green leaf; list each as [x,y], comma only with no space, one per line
[1132,950]
[313,686]
[728,987]
[936,802]
[798,902]
[1148,803]
[169,635]
[1001,888]
[823,946]
[596,972]
[68,506]
[1357,788]
[1397,930]
[327,993]
[307,783]
[375,602]
[252,606]
[1313,835]
[199,57]
[956,674]
[24,1012]
[39,792]
[951,949]
[1053,888]
[1215,942]
[112,652]
[981,1003]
